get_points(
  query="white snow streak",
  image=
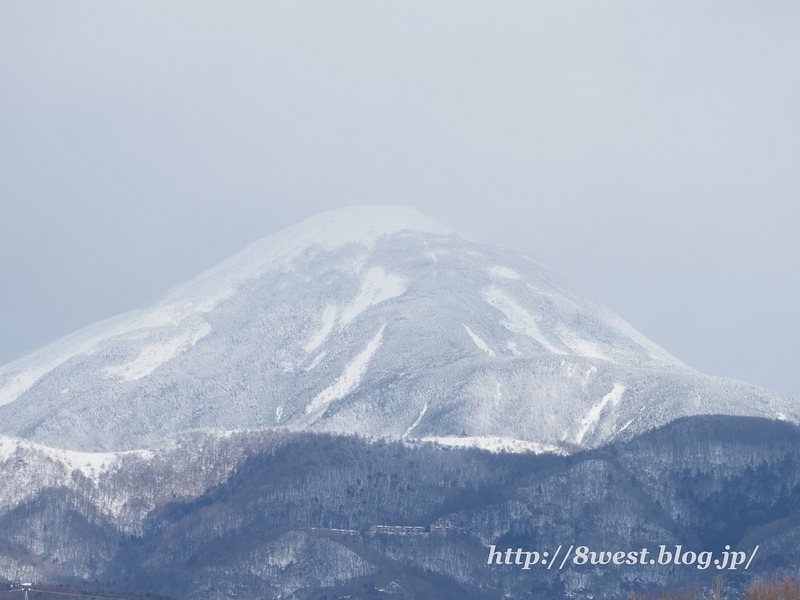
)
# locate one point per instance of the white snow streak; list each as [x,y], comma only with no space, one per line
[19,376]
[624,427]
[155,355]
[591,370]
[347,381]
[22,383]
[593,416]
[376,287]
[415,423]
[479,342]
[519,319]
[315,362]
[328,321]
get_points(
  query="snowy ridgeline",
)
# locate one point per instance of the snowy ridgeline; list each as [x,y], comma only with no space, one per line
[125,487]
[368,320]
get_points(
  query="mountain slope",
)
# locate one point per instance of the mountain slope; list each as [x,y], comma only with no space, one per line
[369,320]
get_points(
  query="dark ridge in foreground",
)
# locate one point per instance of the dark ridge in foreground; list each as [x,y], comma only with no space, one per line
[325,516]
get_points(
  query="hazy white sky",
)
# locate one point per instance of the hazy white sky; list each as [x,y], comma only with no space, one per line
[646,151]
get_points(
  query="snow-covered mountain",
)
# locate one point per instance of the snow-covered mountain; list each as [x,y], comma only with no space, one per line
[369,320]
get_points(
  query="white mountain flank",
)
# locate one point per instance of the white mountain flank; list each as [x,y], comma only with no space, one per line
[373,320]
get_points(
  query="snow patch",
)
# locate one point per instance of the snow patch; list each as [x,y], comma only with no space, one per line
[593,416]
[504,272]
[519,320]
[155,355]
[580,346]
[91,464]
[376,287]
[8,446]
[512,345]
[479,342]
[346,382]
[495,444]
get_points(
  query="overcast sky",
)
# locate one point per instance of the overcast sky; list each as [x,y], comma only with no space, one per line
[646,151]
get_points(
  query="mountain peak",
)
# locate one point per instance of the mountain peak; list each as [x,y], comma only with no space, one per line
[369,319]
[361,224]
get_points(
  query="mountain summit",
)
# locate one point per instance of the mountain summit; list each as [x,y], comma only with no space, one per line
[373,320]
